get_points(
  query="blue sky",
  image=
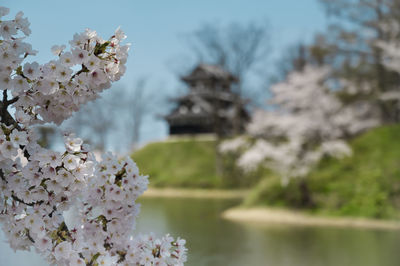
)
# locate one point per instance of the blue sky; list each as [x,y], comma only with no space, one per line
[155,29]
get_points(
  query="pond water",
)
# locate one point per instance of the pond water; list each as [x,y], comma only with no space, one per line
[214,241]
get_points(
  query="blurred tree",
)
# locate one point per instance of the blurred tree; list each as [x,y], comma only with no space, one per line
[307,123]
[238,48]
[297,56]
[137,104]
[356,28]
[294,59]
[98,119]
[115,120]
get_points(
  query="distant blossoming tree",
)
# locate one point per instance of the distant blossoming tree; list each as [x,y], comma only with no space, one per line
[391,54]
[39,185]
[306,122]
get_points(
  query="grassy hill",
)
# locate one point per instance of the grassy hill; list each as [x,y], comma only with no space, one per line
[366,184]
[186,163]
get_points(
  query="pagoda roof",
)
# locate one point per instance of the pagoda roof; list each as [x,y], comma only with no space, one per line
[189,116]
[205,71]
[209,94]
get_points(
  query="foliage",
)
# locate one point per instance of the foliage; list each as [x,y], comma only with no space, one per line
[361,49]
[299,131]
[365,184]
[355,45]
[215,44]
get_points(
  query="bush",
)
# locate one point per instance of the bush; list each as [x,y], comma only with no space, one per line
[366,184]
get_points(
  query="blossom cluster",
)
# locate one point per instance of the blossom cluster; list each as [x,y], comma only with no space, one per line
[307,122]
[53,91]
[390,49]
[73,209]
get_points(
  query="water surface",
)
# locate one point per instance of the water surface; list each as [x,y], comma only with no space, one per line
[213,241]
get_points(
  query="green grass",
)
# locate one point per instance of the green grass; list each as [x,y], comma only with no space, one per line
[192,164]
[188,163]
[366,184]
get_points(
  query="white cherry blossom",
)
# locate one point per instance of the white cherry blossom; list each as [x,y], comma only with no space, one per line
[306,123]
[39,186]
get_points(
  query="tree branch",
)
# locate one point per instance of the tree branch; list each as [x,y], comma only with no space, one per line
[5,96]
[21,201]
[13,100]
[5,116]
[29,236]
[2,175]
[83,69]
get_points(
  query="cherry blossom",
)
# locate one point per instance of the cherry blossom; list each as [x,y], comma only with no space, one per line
[72,208]
[306,122]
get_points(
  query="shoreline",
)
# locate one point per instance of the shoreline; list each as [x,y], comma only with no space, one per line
[270,216]
[194,193]
[267,216]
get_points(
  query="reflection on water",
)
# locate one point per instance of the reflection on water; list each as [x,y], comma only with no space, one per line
[213,241]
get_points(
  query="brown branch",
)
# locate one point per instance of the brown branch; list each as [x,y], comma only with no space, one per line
[13,100]
[84,69]
[29,236]
[2,176]
[5,96]
[5,116]
[21,201]
[7,102]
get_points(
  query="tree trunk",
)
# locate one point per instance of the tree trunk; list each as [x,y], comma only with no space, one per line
[218,159]
[306,199]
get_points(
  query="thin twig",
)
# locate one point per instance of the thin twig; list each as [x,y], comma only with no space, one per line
[29,236]
[21,201]
[2,176]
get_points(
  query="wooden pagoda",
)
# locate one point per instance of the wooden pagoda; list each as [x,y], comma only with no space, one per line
[210,106]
